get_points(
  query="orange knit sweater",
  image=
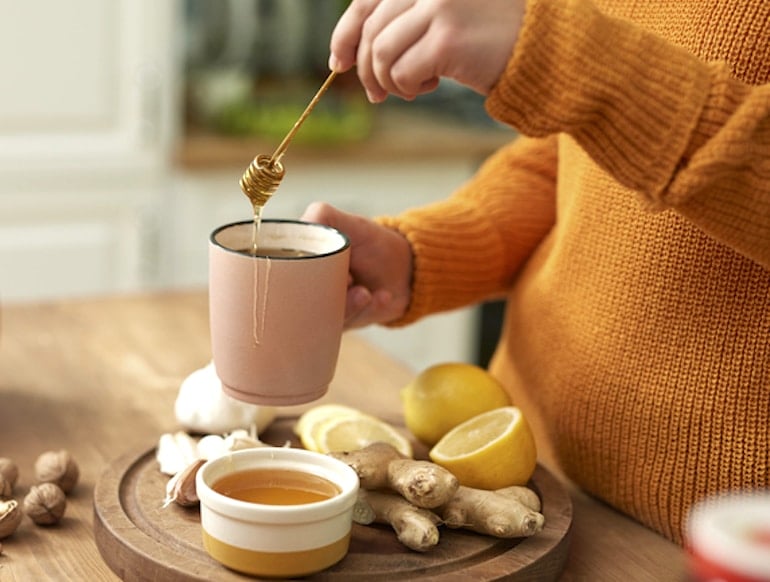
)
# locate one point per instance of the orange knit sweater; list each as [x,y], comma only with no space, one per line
[630,231]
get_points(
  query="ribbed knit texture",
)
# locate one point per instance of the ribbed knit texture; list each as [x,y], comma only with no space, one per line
[630,230]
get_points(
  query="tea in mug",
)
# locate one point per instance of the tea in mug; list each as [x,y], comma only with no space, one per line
[275,252]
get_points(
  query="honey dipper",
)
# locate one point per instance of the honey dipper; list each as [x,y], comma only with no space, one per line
[263,176]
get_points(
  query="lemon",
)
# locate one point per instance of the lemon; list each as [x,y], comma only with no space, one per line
[350,433]
[314,417]
[444,395]
[493,450]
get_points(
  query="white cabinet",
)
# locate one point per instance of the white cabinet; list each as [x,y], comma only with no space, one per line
[85,127]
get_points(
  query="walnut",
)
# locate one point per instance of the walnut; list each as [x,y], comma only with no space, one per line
[10,517]
[57,467]
[9,474]
[6,489]
[45,503]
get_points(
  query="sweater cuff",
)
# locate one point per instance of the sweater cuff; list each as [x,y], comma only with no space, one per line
[442,279]
[628,97]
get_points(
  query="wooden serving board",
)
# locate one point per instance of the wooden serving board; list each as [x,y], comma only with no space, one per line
[141,540]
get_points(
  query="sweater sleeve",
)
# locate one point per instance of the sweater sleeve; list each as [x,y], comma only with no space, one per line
[684,134]
[469,247]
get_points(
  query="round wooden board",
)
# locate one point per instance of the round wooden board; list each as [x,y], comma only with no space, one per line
[141,540]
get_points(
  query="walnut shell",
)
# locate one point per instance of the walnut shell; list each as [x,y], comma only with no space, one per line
[57,467]
[45,503]
[10,473]
[10,517]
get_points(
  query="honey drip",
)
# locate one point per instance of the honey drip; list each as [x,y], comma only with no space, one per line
[260,286]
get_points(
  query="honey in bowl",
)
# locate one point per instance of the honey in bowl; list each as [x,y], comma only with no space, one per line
[276,487]
[277,512]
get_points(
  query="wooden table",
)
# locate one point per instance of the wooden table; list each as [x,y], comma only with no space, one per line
[99,378]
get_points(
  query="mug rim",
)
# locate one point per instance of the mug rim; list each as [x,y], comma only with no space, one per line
[345,238]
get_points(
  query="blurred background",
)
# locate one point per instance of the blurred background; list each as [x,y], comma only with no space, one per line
[125,126]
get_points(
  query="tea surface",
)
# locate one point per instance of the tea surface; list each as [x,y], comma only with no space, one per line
[274,252]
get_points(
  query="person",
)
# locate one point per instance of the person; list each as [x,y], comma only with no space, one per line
[627,226]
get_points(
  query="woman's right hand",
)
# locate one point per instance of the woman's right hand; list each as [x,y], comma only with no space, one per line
[380,279]
[403,47]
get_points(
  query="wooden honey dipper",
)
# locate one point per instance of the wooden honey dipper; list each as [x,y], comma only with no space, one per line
[263,176]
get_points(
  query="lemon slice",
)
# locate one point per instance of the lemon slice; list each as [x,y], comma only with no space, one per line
[493,450]
[317,415]
[350,433]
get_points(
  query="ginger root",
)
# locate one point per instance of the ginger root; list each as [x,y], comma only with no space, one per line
[415,497]
[415,527]
[512,512]
[381,466]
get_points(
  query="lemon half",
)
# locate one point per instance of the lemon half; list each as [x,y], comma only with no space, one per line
[493,450]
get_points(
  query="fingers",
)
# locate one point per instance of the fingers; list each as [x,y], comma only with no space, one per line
[358,299]
[374,35]
[403,47]
[347,34]
[379,279]
[320,212]
[388,31]
[364,307]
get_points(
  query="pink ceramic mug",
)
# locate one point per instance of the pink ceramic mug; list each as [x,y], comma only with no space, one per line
[276,321]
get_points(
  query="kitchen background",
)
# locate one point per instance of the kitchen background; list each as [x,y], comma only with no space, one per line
[125,126]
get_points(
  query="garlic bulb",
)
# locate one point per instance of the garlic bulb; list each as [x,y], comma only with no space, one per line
[202,406]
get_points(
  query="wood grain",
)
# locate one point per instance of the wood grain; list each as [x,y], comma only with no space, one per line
[141,540]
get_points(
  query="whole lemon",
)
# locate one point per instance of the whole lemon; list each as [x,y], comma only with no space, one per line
[445,395]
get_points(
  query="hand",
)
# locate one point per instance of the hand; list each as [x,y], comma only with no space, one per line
[403,47]
[379,287]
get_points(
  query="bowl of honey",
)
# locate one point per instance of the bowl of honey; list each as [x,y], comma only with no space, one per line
[278,512]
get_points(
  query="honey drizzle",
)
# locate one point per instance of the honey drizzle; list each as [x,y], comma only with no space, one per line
[258,319]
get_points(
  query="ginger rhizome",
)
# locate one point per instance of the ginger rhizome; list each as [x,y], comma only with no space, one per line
[503,513]
[415,497]
[415,527]
[381,466]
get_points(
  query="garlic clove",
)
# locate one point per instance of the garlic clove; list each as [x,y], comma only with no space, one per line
[175,451]
[181,488]
[202,406]
[212,446]
[240,439]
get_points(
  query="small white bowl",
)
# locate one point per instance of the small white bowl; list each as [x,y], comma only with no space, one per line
[277,540]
